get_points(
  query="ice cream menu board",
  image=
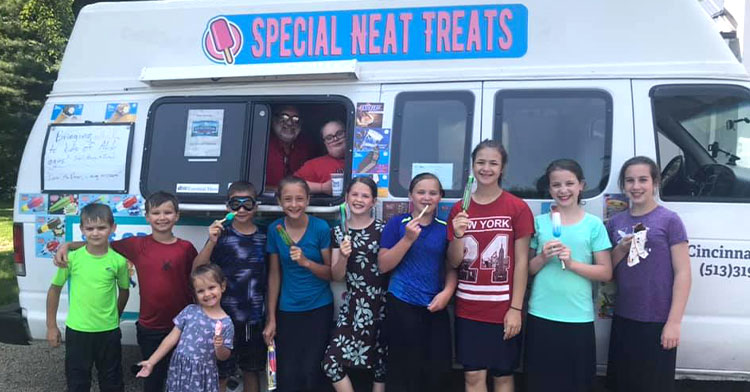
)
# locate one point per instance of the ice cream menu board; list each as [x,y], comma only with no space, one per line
[87,157]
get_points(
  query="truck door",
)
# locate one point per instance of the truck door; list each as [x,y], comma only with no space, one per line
[699,132]
[589,121]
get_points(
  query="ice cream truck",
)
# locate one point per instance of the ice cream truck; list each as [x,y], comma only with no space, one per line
[179,96]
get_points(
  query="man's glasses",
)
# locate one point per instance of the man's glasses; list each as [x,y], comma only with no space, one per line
[336,136]
[287,118]
[235,203]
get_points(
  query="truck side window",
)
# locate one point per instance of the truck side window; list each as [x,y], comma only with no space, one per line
[197,146]
[308,140]
[703,137]
[193,146]
[539,126]
[431,133]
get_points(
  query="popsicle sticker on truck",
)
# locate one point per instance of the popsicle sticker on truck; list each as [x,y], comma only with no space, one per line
[222,40]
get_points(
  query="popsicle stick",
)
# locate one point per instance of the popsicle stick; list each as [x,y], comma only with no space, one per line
[427,207]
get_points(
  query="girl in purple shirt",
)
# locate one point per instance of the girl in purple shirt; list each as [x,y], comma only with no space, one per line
[652,290]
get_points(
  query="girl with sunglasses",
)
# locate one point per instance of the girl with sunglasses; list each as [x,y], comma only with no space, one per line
[238,248]
[299,248]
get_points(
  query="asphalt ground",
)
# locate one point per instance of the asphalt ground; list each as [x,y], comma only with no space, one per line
[37,367]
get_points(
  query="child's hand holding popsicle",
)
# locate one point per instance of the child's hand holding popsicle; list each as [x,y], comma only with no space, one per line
[214,231]
[460,224]
[346,243]
[295,252]
[461,220]
[557,232]
[413,228]
[346,247]
[218,339]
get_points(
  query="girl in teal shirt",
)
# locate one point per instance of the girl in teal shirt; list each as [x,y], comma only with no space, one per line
[299,315]
[560,343]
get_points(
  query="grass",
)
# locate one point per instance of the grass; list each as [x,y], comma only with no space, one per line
[8,283]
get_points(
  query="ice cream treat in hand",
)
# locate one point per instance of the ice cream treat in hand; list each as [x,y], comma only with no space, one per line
[228,218]
[557,228]
[217,329]
[638,249]
[284,235]
[271,366]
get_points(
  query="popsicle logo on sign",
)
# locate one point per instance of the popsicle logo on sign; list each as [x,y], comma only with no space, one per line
[396,34]
[222,40]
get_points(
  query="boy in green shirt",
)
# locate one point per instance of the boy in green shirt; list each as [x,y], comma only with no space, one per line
[92,329]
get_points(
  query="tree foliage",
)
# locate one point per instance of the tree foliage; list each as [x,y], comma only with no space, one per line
[33,34]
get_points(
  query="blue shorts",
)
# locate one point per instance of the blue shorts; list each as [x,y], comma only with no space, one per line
[480,346]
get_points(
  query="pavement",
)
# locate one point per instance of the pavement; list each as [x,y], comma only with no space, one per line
[38,367]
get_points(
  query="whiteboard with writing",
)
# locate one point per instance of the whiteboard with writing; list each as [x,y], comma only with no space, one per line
[87,157]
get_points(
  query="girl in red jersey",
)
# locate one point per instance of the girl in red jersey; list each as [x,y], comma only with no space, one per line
[489,244]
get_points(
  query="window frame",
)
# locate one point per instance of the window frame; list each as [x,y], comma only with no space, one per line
[672,90]
[562,93]
[466,97]
[255,143]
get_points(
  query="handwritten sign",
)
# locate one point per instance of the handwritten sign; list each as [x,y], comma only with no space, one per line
[86,157]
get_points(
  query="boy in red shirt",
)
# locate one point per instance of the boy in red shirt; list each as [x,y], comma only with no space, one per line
[163,263]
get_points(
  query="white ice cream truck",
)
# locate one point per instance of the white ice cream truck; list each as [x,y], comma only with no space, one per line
[177,96]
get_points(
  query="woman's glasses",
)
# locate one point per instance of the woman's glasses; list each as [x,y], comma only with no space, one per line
[336,136]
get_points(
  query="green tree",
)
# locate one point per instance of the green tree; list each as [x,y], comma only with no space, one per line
[33,34]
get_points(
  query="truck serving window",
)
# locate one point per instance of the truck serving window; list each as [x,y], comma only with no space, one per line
[703,138]
[197,146]
[539,126]
[432,133]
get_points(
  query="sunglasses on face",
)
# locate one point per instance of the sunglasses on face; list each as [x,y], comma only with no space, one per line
[235,203]
[287,118]
[336,136]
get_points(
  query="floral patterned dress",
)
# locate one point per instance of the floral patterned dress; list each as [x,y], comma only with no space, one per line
[193,364]
[356,341]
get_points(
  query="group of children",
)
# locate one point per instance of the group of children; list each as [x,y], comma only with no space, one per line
[247,290]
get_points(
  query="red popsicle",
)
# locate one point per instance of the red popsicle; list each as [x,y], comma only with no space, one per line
[221,34]
[125,204]
[33,203]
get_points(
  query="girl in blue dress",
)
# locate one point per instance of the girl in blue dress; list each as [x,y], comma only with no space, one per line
[202,333]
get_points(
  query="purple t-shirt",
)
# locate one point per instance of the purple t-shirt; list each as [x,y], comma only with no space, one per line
[644,291]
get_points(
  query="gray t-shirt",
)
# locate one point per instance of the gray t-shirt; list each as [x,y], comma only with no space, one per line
[644,291]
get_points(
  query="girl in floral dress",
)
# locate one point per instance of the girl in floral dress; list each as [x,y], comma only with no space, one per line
[356,343]
[199,340]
